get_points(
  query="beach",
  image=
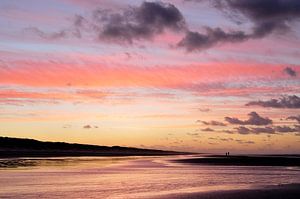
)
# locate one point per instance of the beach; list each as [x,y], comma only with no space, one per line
[156,177]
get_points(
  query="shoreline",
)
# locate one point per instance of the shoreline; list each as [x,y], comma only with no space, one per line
[78,153]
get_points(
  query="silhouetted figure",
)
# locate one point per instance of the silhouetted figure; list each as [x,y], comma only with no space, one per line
[228,153]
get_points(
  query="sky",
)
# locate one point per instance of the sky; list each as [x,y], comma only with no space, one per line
[186,75]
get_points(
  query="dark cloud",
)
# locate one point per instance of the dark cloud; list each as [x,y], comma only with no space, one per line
[213,123]
[259,130]
[135,23]
[124,26]
[243,130]
[193,134]
[267,16]
[254,119]
[288,129]
[266,11]
[289,71]
[207,130]
[44,35]
[90,126]
[267,130]
[204,109]
[228,131]
[66,126]
[195,41]
[80,21]
[87,126]
[297,118]
[144,22]
[291,101]
[226,139]
[221,139]
[249,142]
[244,142]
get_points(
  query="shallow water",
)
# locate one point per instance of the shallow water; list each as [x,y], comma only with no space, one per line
[129,177]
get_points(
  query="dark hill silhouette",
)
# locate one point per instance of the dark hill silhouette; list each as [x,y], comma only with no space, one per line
[19,147]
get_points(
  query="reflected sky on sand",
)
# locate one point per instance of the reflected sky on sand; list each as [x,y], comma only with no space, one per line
[129,177]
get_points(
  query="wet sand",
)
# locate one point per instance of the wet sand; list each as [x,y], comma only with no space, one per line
[141,177]
[289,191]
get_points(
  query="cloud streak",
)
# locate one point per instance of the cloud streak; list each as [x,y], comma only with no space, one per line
[287,129]
[212,123]
[192,77]
[297,118]
[267,130]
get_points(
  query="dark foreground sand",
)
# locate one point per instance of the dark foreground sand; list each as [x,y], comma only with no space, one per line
[291,191]
[263,160]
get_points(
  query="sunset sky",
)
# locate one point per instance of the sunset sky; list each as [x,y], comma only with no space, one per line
[187,75]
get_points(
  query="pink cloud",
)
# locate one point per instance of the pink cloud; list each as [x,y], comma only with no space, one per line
[17,97]
[51,74]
